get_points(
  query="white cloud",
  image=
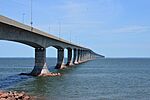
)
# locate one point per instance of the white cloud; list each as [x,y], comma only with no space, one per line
[132,29]
[127,29]
[87,10]
[74,8]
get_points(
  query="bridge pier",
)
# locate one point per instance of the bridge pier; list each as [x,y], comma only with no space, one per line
[40,62]
[88,55]
[83,55]
[60,58]
[75,56]
[79,56]
[69,58]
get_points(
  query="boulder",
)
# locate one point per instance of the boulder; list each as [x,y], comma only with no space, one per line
[14,96]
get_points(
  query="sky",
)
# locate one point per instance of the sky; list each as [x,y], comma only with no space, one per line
[113,28]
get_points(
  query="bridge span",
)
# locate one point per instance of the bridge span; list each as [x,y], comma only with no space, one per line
[12,30]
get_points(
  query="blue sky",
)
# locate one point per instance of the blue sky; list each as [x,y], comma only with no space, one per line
[114,28]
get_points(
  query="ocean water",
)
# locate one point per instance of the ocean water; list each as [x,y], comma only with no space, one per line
[100,79]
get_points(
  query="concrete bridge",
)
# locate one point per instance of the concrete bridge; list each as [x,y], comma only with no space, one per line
[14,31]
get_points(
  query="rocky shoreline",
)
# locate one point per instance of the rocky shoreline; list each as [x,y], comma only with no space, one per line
[13,95]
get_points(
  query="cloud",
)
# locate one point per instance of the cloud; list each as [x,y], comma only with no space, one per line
[88,10]
[132,29]
[74,8]
[127,29]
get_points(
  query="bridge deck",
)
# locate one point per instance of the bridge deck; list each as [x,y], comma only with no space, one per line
[14,23]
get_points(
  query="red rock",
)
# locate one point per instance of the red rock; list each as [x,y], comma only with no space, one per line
[26,98]
[51,74]
[3,99]
[11,98]
[4,95]
[20,95]
[14,96]
[23,93]
[1,92]
[59,74]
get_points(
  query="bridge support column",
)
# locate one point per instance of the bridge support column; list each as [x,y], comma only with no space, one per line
[88,55]
[60,58]
[69,59]
[85,55]
[79,56]
[82,56]
[40,62]
[75,56]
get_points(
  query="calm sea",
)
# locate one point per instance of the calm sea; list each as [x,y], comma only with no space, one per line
[101,79]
